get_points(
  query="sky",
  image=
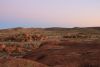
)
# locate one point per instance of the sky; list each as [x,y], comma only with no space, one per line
[49,13]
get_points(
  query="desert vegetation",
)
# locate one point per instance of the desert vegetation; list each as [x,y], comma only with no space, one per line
[50,47]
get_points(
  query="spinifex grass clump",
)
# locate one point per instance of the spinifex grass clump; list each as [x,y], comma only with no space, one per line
[17,49]
[37,44]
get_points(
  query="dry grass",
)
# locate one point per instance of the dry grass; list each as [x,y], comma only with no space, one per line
[53,47]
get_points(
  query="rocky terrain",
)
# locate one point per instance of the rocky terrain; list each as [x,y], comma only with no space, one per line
[50,47]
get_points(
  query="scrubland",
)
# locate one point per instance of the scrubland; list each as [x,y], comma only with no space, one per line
[50,47]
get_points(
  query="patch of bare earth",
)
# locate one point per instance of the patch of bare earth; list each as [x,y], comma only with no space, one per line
[71,55]
[13,62]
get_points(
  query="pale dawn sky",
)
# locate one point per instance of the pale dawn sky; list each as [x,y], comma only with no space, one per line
[49,13]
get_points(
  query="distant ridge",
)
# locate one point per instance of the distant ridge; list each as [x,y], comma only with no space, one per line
[75,28]
[97,28]
[51,28]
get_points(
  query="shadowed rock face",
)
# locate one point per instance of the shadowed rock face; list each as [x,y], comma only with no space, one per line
[72,55]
